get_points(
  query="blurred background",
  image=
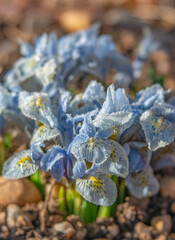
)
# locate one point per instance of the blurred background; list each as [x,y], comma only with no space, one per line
[125,20]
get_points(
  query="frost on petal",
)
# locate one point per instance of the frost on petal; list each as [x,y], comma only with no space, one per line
[104,120]
[117,163]
[98,189]
[94,92]
[143,184]
[44,133]
[122,101]
[116,111]
[109,106]
[158,127]
[88,127]
[93,150]
[146,98]
[19,166]
[46,73]
[37,106]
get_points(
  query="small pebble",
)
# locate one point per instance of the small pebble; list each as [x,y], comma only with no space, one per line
[113,230]
[81,234]
[162,223]
[4,229]
[66,228]
[12,211]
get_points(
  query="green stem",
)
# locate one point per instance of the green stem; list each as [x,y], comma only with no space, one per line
[36,178]
[77,202]
[94,212]
[121,197]
[2,153]
[61,198]
[104,212]
[70,200]
[86,211]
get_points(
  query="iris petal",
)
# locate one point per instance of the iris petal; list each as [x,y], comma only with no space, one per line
[19,166]
[99,189]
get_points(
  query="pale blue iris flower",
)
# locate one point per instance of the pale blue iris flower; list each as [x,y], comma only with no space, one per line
[158,125]
[116,111]
[92,134]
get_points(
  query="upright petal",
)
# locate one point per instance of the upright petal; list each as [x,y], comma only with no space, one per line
[88,126]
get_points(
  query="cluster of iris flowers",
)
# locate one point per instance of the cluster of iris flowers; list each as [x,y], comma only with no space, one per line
[91,136]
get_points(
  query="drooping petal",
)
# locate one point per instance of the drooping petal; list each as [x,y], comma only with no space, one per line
[117,163]
[158,127]
[37,106]
[46,73]
[44,133]
[93,150]
[98,189]
[143,184]
[19,166]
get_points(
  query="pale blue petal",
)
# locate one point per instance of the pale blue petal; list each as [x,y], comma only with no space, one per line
[57,170]
[143,184]
[37,106]
[94,91]
[105,121]
[93,150]
[146,98]
[79,169]
[117,163]
[44,133]
[158,128]
[46,74]
[109,106]
[104,133]
[52,156]
[19,166]
[98,189]
[36,152]
[88,127]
